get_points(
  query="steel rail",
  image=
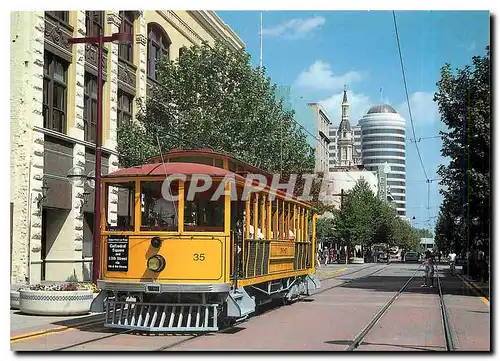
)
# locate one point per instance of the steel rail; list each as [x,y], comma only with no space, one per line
[90,341]
[359,338]
[444,317]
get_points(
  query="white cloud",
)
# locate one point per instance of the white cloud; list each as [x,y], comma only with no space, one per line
[423,109]
[320,76]
[295,28]
[358,106]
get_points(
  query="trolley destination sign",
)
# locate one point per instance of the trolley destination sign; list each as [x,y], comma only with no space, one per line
[117,253]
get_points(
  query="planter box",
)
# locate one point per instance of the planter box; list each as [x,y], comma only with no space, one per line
[14,300]
[356,260]
[55,303]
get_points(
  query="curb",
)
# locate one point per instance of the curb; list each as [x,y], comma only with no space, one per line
[323,276]
[473,285]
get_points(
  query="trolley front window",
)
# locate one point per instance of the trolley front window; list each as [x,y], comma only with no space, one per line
[120,206]
[203,214]
[157,212]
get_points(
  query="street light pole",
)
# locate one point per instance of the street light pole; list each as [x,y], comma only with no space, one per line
[99,40]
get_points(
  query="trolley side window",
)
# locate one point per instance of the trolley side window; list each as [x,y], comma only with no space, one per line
[202,214]
[120,206]
[157,212]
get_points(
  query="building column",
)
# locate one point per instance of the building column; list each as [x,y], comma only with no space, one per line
[27,39]
[37,154]
[141,42]
[77,131]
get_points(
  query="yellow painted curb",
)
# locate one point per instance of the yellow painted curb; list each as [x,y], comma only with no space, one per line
[36,334]
[333,272]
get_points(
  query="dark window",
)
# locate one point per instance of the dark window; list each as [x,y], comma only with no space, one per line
[158,46]
[61,15]
[125,102]
[90,108]
[94,21]
[55,82]
[401,213]
[379,138]
[125,210]
[383,153]
[383,131]
[396,183]
[383,146]
[126,50]
[382,160]
[159,213]
[396,175]
[396,168]
[399,198]
[201,213]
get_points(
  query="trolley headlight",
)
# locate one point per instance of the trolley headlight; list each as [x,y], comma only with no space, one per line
[156,263]
[156,242]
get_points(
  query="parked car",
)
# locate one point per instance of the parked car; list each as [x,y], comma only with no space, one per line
[382,257]
[411,256]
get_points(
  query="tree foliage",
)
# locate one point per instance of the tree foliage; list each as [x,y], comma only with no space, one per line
[463,100]
[212,97]
[364,219]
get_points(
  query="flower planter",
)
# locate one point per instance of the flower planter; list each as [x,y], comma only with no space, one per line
[14,300]
[55,303]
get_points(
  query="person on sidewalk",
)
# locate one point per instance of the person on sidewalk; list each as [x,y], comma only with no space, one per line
[452,257]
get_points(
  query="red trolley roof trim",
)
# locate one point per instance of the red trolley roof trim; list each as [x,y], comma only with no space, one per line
[160,169]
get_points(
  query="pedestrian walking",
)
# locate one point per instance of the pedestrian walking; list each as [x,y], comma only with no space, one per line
[439,256]
[452,257]
[325,255]
[429,267]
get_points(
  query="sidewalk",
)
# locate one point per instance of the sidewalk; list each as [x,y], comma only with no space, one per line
[482,287]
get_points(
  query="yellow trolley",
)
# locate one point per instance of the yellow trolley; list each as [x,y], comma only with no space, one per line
[181,254]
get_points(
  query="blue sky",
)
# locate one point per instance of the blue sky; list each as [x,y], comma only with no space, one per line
[317,52]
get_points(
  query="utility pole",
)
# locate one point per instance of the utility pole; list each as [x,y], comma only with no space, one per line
[99,41]
[260,58]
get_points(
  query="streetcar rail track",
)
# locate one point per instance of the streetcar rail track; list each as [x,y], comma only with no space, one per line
[444,317]
[359,338]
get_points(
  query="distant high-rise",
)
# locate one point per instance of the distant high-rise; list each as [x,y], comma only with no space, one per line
[383,140]
[313,119]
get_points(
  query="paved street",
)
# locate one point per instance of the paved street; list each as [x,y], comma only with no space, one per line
[329,320]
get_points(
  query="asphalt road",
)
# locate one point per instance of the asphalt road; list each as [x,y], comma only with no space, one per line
[328,320]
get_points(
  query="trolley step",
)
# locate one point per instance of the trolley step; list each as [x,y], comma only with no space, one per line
[161,317]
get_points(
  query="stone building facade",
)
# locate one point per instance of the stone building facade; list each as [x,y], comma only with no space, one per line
[53,121]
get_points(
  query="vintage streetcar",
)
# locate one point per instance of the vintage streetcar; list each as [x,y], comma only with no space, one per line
[189,263]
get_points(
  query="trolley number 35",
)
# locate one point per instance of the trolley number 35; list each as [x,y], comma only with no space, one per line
[199,257]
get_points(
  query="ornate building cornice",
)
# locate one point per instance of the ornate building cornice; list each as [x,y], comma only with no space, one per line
[114,19]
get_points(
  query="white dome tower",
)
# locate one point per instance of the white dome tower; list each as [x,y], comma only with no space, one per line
[383,140]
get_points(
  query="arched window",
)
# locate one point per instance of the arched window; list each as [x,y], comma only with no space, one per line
[158,46]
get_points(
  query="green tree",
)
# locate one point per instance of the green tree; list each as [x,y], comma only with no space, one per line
[212,97]
[464,100]
[356,221]
[325,228]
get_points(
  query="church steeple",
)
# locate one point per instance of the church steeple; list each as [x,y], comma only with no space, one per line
[345,106]
[345,143]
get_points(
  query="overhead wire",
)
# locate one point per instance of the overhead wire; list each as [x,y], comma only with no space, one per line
[406,92]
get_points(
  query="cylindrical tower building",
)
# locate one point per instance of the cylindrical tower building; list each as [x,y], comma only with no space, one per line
[383,140]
